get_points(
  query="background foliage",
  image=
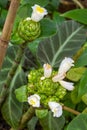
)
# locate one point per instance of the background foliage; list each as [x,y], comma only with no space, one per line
[60,38]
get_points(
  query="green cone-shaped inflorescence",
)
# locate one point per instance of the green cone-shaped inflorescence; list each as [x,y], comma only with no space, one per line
[29,30]
[44,87]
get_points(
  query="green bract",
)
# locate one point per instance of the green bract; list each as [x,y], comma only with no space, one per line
[29,30]
[45,88]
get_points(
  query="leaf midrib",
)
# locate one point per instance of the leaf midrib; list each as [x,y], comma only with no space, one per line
[63,45]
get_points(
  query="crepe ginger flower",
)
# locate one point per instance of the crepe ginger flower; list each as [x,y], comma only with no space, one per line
[65,65]
[38,13]
[67,85]
[34,100]
[47,70]
[56,108]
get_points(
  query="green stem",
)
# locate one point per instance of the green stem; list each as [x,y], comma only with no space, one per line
[71,110]
[79,52]
[25,118]
[12,72]
[78,4]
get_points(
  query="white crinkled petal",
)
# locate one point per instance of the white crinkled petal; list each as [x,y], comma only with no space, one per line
[38,13]
[56,108]
[34,100]
[58,77]
[67,85]
[65,65]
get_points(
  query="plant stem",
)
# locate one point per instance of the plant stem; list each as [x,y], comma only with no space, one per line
[25,118]
[12,72]
[71,110]
[79,52]
[6,33]
[78,4]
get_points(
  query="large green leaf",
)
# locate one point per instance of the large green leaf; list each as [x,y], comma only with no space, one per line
[77,14]
[48,122]
[79,123]
[68,39]
[12,109]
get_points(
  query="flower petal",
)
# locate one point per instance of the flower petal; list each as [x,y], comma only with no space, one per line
[58,77]
[65,65]
[67,85]
[38,13]
[56,108]
[34,100]
[47,70]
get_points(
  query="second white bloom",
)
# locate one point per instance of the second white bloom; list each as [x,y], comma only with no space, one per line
[56,108]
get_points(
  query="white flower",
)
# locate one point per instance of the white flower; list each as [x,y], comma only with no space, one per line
[56,108]
[58,77]
[67,85]
[65,65]
[34,100]
[47,70]
[38,13]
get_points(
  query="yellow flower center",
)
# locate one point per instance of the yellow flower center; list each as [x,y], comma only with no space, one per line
[48,66]
[32,102]
[39,9]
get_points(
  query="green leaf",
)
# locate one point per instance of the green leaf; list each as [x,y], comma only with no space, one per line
[83,85]
[78,123]
[26,7]
[77,14]
[39,2]
[41,113]
[32,123]
[82,60]
[12,109]
[3,17]
[84,98]
[3,3]
[48,122]
[85,110]
[68,39]
[74,95]
[21,94]
[48,28]
[7,64]
[57,18]
[75,74]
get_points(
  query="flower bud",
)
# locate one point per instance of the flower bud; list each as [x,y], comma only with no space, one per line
[47,70]
[29,30]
